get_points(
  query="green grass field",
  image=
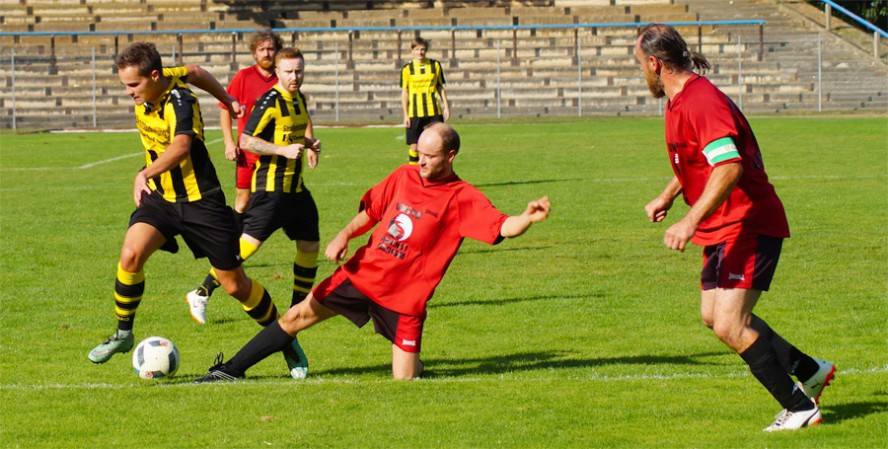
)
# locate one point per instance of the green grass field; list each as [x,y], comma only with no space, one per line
[582,333]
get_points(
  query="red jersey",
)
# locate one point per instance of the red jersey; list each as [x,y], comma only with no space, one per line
[421,226]
[699,115]
[247,86]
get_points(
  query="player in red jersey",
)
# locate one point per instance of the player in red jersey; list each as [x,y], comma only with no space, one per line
[425,213]
[247,86]
[734,214]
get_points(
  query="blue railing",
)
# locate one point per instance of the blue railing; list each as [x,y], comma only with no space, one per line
[856,18]
[398,29]
[389,28]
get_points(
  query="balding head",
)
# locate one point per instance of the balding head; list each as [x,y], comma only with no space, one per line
[437,146]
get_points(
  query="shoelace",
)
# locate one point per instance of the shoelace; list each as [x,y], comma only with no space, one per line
[220,357]
[782,417]
[112,338]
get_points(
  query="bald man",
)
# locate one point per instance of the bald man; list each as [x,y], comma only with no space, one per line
[426,211]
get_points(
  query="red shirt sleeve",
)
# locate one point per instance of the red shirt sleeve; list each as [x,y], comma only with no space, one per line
[712,119]
[479,219]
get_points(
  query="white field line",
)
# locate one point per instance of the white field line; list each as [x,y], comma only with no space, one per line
[444,380]
[105,161]
[91,164]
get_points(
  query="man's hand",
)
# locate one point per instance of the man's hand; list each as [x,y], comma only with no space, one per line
[314,155]
[538,210]
[292,151]
[337,249]
[140,187]
[679,234]
[231,150]
[657,208]
[235,108]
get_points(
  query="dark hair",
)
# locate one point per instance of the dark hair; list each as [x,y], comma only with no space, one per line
[288,53]
[142,55]
[266,35]
[666,44]
[418,40]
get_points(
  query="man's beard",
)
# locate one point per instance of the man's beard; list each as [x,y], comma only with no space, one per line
[266,64]
[655,84]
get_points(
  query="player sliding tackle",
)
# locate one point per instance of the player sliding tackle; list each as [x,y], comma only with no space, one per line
[424,213]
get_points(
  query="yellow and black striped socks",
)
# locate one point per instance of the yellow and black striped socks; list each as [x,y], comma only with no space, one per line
[305,269]
[259,305]
[128,290]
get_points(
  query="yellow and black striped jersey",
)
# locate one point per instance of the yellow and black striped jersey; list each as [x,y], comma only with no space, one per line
[280,118]
[177,112]
[179,71]
[422,80]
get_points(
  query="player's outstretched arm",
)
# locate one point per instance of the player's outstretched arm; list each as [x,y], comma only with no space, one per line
[337,249]
[204,80]
[515,225]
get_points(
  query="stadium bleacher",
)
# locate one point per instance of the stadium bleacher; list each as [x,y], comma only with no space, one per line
[352,72]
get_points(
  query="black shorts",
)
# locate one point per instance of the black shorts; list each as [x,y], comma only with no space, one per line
[338,294]
[207,226]
[747,262]
[296,213]
[418,124]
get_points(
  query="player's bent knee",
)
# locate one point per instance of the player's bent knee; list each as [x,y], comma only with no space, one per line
[728,334]
[130,258]
[236,283]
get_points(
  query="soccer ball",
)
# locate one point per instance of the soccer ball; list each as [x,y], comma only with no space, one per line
[155,358]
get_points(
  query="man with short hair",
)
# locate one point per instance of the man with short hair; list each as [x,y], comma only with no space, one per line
[425,213]
[279,131]
[736,216]
[176,193]
[247,86]
[422,80]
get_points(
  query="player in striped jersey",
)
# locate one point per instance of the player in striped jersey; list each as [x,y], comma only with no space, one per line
[422,80]
[176,193]
[279,130]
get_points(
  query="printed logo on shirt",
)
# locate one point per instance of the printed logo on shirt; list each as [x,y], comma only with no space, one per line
[401,227]
[399,230]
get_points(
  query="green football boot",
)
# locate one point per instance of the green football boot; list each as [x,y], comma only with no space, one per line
[297,362]
[114,344]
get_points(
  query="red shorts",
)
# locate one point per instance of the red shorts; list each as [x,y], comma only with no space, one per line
[339,295]
[747,262]
[246,164]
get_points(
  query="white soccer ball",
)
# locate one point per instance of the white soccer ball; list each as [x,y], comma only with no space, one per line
[155,358]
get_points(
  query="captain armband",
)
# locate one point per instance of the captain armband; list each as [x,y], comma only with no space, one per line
[721,150]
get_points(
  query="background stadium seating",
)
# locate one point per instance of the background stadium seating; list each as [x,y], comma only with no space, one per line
[68,80]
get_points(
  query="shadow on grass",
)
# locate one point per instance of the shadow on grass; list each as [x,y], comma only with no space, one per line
[526,182]
[528,361]
[504,301]
[501,249]
[838,413]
